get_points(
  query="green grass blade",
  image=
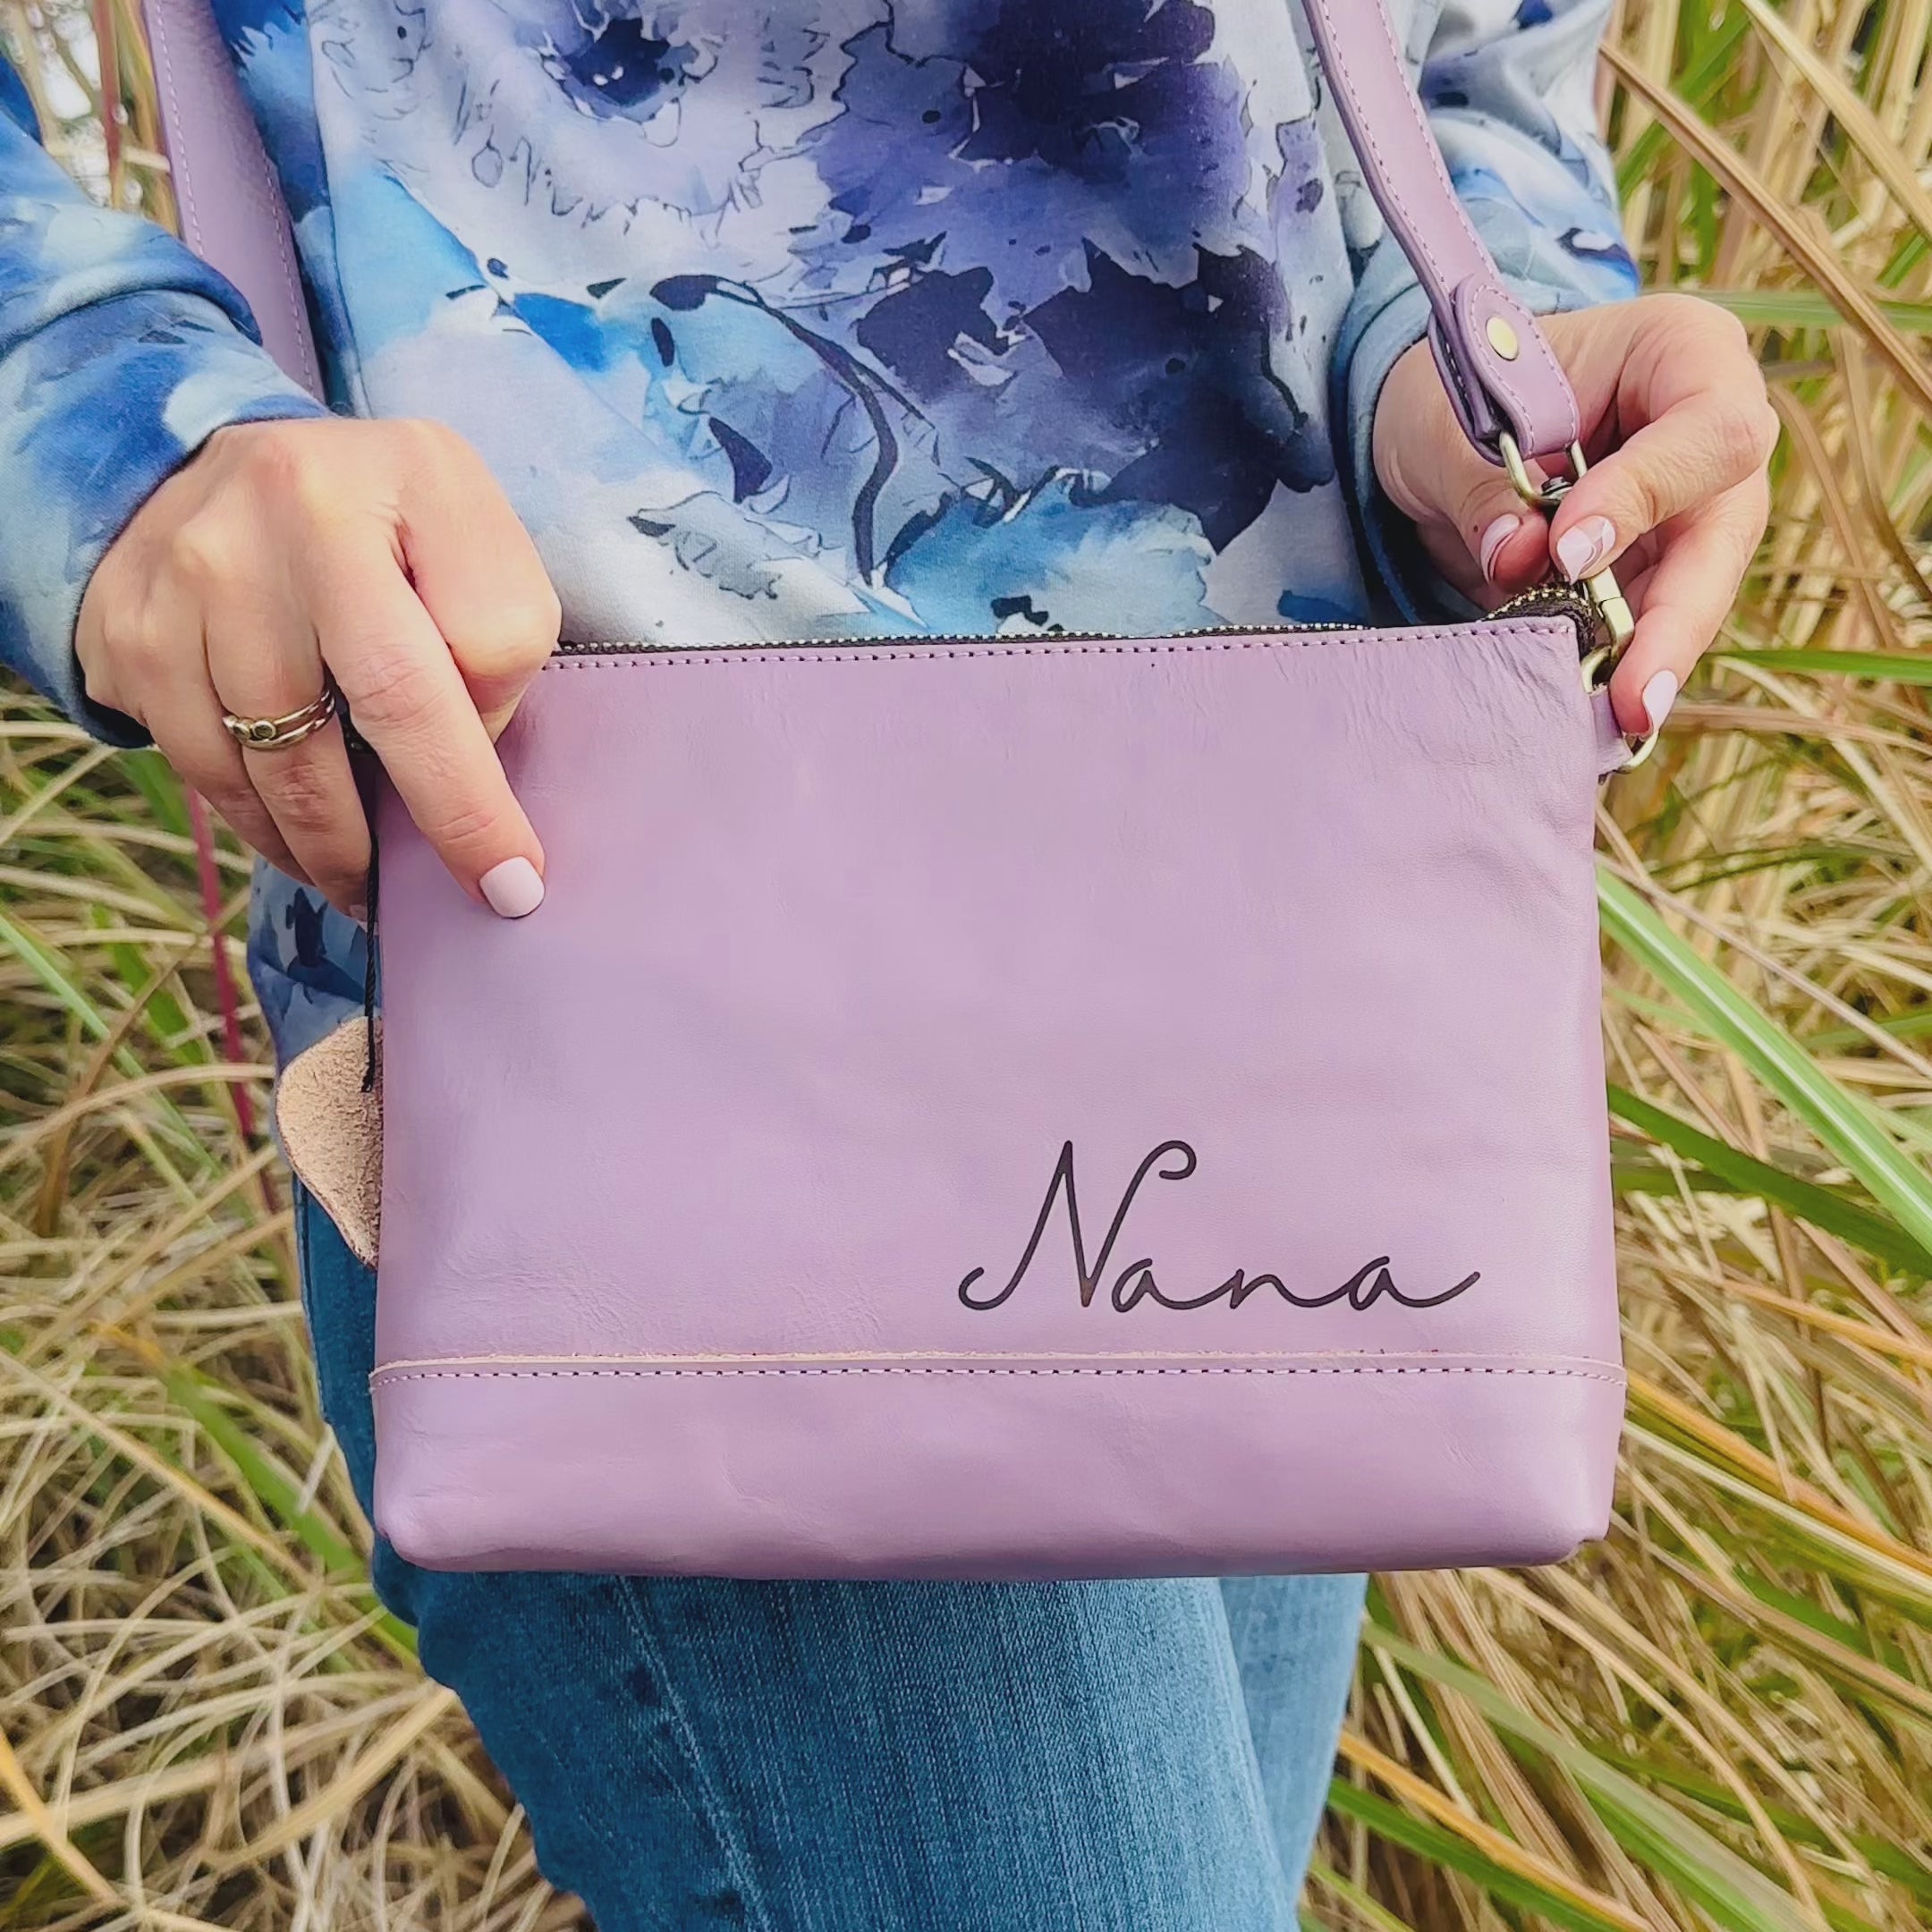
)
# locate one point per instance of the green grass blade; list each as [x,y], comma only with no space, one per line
[55,977]
[1849,1127]
[1376,1917]
[1884,1858]
[1735,1892]
[1808,308]
[1846,1039]
[1892,667]
[270,1485]
[1868,1232]
[154,778]
[1442,1847]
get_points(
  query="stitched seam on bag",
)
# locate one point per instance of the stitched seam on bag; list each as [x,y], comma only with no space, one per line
[384,1376]
[1032,1357]
[753,655]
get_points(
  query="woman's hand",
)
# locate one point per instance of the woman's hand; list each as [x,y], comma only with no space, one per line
[1678,431]
[380,554]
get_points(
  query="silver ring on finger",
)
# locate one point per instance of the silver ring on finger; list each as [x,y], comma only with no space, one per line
[278,734]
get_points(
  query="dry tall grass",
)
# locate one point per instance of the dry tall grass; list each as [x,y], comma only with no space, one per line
[1722,1717]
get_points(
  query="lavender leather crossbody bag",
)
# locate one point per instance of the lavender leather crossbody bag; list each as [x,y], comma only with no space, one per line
[1078,1105]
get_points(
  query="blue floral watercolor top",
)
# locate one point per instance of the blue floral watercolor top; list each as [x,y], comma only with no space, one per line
[815,318]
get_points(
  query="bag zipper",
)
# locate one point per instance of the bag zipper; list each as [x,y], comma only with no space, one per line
[1553,600]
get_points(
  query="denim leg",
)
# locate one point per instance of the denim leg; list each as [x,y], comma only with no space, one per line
[1294,1640]
[878,1758]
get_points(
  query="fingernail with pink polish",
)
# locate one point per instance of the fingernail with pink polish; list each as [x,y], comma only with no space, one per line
[1584,546]
[1659,696]
[513,888]
[1493,539]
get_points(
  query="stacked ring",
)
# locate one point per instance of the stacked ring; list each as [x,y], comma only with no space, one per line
[278,734]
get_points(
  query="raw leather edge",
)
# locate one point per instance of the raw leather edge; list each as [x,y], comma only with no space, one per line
[331,1133]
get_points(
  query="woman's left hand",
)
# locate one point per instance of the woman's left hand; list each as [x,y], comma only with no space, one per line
[1678,431]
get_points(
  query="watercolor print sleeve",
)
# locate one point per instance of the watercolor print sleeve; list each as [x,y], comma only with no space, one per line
[120,353]
[1509,89]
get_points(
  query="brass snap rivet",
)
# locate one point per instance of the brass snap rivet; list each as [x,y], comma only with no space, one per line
[1502,338]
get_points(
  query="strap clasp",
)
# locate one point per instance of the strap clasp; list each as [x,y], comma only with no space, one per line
[1606,597]
[1601,585]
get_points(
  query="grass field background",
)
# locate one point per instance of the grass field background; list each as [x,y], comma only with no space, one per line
[1721,1717]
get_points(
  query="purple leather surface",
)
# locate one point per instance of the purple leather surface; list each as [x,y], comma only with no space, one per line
[842,945]
[233,215]
[1012,1470]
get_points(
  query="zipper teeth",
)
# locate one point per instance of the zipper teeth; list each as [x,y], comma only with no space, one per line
[1552,598]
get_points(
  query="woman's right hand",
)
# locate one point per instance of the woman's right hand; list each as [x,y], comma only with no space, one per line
[380,554]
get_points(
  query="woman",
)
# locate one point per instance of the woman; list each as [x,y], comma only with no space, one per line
[844,318]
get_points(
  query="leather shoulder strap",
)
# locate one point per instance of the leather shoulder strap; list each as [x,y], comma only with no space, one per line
[1496,362]
[1499,370]
[231,211]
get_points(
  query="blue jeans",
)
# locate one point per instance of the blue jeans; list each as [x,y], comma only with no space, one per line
[879,1757]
